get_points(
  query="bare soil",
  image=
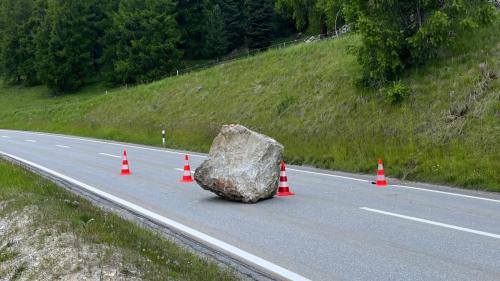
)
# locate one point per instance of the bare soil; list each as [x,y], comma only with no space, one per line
[31,252]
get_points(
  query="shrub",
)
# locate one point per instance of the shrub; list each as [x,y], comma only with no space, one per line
[399,34]
[397,93]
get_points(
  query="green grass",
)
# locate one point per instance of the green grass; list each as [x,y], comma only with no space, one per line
[18,272]
[69,213]
[305,97]
[6,255]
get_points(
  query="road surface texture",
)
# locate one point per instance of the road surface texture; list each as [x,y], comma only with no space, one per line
[337,227]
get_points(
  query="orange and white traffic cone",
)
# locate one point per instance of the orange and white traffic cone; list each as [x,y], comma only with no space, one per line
[283,188]
[125,166]
[380,175]
[186,177]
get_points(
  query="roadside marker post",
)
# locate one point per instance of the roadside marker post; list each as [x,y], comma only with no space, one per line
[163,137]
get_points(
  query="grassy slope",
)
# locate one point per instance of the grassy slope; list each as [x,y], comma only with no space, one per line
[20,188]
[305,97]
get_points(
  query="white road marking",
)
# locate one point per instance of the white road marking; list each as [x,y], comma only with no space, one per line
[447,193]
[194,234]
[110,155]
[6,137]
[62,146]
[400,186]
[291,169]
[328,175]
[119,144]
[182,170]
[30,140]
[433,223]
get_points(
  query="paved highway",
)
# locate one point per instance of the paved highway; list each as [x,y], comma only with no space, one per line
[337,227]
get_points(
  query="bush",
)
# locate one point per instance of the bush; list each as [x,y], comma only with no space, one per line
[400,34]
[397,93]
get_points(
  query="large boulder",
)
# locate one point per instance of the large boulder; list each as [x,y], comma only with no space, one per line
[242,165]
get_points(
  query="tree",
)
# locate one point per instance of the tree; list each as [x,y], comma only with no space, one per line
[234,22]
[216,40]
[65,42]
[399,34]
[317,16]
[192,16]
[102,24]
[298,10]
[331,11]
[17,50]
[260,16]
[145,36]
[41,37]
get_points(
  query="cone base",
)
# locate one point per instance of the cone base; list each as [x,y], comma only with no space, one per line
[286,193]
[381,183]
[125,173]
[186,180]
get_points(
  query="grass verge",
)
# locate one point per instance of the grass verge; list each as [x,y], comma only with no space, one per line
[116,242]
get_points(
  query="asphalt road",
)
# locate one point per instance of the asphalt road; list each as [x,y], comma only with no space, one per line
[337,226]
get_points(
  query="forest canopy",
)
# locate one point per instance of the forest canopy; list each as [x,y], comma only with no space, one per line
[66,43]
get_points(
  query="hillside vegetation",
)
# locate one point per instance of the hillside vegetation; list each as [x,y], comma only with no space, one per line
[445,131]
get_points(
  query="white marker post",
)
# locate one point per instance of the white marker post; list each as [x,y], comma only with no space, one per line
[163,137]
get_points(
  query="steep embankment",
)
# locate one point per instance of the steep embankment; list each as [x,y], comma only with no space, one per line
[305,96]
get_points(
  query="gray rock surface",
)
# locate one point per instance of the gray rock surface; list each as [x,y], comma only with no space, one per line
[242,165]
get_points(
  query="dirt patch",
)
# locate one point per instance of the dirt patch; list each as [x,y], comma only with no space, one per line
[28,252]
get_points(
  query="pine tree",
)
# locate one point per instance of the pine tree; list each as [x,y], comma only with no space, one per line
[102,23]
[145,36]
[41,37]
[216,40]
[260,16]
[192,16]
[64,44]
[234,21]
[17,50]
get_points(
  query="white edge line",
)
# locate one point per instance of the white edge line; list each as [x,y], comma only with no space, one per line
[433,223]
[62,146]
[197,235]
[110,155]
[30,140]
[448,193]
[6,137]
[295,170]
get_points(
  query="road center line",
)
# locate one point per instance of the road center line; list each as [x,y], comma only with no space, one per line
[433,223]
[201,237]
[62,146]
[30,140]
[110,155]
